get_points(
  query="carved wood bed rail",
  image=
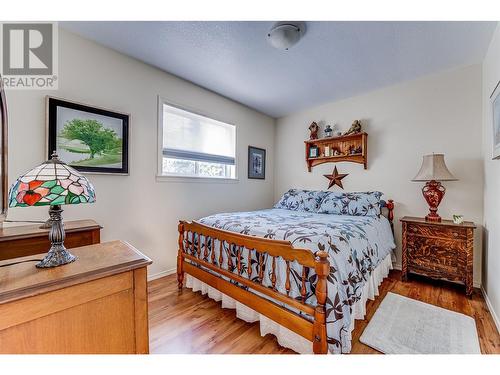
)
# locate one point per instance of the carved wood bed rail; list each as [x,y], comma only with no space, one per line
[199,256]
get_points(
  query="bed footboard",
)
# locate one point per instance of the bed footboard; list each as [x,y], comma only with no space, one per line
[199,257]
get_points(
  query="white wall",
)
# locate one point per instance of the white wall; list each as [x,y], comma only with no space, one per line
[137,208]
[491,257]
[437,113]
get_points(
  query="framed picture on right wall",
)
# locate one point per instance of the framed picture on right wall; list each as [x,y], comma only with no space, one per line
[256,163]
[495,104]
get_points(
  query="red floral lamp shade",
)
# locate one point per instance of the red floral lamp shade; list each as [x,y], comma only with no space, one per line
[51,183]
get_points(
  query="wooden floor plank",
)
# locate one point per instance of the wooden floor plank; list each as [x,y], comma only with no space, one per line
[189,322]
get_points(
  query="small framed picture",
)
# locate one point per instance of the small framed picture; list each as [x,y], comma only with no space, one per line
[495,104]
[90,139]
[313,151]
[256,163]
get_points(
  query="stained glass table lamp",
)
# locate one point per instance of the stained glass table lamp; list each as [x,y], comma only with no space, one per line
[53,184]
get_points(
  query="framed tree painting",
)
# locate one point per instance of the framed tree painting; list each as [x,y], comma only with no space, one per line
[256,163]
[90,139]
[495,103]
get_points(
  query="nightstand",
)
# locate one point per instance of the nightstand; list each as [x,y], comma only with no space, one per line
[439,250]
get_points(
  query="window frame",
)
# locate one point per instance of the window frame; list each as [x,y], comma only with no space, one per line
[160,176]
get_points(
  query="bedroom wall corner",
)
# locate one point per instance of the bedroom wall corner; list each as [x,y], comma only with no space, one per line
[137,208]
[436,113]
[491,230]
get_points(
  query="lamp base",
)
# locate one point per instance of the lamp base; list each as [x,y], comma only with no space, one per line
[433,193]
[435,218]
[58,254]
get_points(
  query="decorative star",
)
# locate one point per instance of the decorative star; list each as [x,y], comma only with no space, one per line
[335,178]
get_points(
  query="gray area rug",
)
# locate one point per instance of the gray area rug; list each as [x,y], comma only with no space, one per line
[403,325]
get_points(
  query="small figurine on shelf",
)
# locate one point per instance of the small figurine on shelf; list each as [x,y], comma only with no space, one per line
[336,131]
[326,151]
[336,152]
[313,128]
[354,129]
[355,150]
[328,131]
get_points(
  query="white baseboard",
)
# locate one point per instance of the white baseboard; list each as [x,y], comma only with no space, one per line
[397,266]
[161,274]
[492,311]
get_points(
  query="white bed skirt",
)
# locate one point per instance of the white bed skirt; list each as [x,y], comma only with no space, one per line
[285,337]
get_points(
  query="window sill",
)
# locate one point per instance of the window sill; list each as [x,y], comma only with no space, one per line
[203,180]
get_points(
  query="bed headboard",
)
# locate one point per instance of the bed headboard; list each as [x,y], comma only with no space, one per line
[388,211]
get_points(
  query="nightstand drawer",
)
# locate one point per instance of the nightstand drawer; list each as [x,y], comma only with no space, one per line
[433,254]
[437,231]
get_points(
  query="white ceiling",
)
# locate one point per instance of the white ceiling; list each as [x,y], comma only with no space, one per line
[334,60]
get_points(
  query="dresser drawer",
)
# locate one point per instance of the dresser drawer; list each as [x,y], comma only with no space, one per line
[437,231]
[439,250]
[435,255]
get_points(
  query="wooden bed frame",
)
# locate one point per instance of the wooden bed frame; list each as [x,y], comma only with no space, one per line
[190,257]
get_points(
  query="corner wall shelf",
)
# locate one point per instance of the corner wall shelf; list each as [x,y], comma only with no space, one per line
[343,144]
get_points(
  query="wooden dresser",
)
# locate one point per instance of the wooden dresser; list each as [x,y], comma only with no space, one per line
[97,304]
[20,241]
[441,250]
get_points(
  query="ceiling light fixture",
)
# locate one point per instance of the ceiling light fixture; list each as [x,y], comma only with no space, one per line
[284,35]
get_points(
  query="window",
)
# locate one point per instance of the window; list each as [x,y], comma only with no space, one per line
[193,145]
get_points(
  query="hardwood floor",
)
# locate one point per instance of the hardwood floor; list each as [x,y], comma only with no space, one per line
[188,322]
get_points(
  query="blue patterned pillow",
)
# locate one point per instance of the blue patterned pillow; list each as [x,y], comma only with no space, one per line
[354,204]
[301,200]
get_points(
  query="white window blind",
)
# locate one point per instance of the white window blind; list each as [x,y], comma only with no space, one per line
[196,145]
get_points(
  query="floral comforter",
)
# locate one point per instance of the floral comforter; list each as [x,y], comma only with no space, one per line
[355,244]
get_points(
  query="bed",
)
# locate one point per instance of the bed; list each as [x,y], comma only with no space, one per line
[304,268]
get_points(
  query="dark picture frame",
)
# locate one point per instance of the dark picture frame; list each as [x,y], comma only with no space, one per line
[113,130]
[313,152]
[256,163]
